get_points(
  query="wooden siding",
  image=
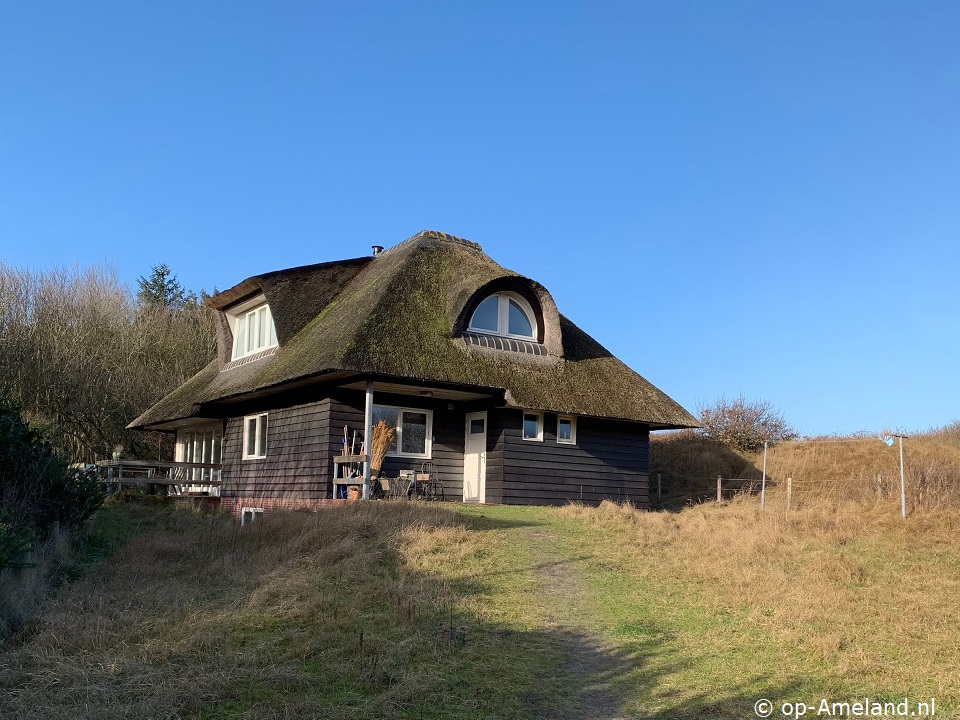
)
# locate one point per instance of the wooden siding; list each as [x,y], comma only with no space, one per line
[495,443]
[297,458]
[610,460]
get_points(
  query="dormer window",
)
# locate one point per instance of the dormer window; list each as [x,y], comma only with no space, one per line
[253,328]
[505,314]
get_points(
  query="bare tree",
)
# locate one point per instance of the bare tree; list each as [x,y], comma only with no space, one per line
[744,424]
[82,357]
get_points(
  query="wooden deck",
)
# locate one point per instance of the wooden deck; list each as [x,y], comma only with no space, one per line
[176,476]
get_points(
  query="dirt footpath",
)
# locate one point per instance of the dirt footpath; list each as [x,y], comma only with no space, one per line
[566,618]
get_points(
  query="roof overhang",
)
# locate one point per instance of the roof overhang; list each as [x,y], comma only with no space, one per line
[440,391]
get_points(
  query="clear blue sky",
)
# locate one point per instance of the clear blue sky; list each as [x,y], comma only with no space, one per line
[733,197]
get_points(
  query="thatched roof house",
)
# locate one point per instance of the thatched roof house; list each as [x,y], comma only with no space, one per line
[445,340]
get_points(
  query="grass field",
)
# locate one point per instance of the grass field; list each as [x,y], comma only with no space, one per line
[402,610]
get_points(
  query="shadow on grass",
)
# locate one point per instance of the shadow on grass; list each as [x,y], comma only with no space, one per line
[584,681]
[319,616]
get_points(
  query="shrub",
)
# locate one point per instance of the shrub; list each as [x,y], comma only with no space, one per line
[744,425]
[36,491]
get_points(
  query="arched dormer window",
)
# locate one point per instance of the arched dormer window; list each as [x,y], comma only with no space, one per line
[506,314]
[253,329]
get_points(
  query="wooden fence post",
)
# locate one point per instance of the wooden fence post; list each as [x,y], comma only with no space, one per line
[789,492]
[719,490]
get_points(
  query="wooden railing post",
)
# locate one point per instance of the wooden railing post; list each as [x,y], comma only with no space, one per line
[719,489]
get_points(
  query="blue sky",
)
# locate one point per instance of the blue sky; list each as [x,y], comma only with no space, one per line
[734,197]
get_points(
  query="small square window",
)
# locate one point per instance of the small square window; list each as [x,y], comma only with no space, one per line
[566,429]
[248,515]
[255,436]
[533,426]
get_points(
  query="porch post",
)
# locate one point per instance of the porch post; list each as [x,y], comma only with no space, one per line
[367,438]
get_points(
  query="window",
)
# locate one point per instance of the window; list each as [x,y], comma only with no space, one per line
[567,429]
[253,330]
[505,314]
[248,515]
[200,445]
[533,426]
[413,428]
[255,436]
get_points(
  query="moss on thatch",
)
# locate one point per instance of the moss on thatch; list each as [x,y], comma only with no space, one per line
[398,315]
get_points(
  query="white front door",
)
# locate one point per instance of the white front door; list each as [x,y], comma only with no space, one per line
[475,458]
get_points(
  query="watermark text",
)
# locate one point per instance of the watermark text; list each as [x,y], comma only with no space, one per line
[861,707]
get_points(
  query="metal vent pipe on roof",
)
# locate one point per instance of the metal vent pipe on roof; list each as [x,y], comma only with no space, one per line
[377,249]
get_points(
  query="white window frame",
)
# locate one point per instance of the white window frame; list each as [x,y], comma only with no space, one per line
[244,317]
[573,429]
[398,429]
[260,439]
[250,514]
[523,423]
[201,444]
[503,317]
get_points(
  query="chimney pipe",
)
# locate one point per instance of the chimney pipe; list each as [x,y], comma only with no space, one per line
[377,249]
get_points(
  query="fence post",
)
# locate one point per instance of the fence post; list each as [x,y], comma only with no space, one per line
[789,492]
[763,482]
[719,491]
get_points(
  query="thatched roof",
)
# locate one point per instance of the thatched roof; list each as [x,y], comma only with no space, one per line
[402,315]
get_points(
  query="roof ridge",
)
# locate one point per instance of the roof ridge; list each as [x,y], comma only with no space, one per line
[437,235]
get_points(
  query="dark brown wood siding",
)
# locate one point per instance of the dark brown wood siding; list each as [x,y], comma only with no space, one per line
[297,456]
[610,460]
[495,444]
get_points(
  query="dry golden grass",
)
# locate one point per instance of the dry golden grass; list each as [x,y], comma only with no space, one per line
[825,471]
[868,599]
[306,614]
[24,590]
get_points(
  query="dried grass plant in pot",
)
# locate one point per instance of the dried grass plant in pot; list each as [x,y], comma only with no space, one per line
[382,437]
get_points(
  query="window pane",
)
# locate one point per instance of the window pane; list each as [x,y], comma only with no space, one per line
[564,430]
[476,426]
[251,436]
[251,330]
[413,435]
[389,416]
[262,435]
[531,427]
[261,327]
[217,444]
[272,331]
[486,314]
[519,323]
[240,347]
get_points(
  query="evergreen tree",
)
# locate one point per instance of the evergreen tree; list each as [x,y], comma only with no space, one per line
[162,289]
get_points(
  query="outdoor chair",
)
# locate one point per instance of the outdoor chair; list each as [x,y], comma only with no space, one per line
[425,484]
